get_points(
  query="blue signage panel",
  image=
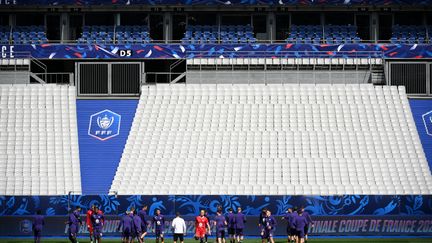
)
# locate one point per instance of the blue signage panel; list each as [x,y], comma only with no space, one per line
[422,113]
[252,205]
[176,51]
[103,128]
[323,226]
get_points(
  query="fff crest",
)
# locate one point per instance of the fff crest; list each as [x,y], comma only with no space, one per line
[427,120]
[104,125]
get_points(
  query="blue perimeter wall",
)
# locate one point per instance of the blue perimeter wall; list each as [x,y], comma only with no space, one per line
[176,51]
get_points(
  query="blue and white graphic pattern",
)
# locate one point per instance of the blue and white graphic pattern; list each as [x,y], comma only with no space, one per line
[354,205]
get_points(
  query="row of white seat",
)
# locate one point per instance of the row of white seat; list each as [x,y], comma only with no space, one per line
[181,140]
[38,140]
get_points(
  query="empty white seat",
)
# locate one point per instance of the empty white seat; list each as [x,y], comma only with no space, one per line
[40,150]
[273,140]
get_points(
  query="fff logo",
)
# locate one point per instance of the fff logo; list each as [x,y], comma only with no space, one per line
[104,125]
[427,120]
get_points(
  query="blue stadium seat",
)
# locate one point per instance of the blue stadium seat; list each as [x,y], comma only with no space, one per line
[312,34]
[408,34]
[26,35]
[135,34]
[226,34]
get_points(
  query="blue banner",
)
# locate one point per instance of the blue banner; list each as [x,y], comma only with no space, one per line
[215,2]
[103,128]
[323,226]
[422,113]
[166,51]
[188,205]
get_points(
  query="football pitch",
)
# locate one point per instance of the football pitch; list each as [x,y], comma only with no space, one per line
[279,240]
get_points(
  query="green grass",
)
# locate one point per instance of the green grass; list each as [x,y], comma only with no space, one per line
[356,240]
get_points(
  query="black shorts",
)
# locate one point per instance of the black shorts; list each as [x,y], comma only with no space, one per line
[178,237]
[239,232]
[231,231]
[306,229]
[292,231]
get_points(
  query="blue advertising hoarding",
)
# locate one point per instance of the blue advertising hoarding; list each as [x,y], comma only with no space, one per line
[103,128]
[190,51]
[323,226]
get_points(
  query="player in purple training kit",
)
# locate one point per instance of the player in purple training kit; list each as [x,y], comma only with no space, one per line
[38,223]
[220,223]
[159,226]
[126,227]
[299,223]
[137,226]
[230,218]
[261,220]
[240,220]
[269,228]
[309,224]
[143,215]
[291,232]
[74,222]
[97,219]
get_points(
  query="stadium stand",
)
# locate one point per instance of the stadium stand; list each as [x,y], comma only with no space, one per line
[331,34]
[5,34]
[408,34]
[38,140]
[135,34]
[23,35]
[273,140]
[226,34]
[97,35]
[29,35]
[132,34]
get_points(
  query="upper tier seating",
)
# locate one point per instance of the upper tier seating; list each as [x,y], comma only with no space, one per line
[29,35]
[5,34]
[97,35]
[38,140]
[316,34]
[408,34]
[23,35]
[273,140]
[227,34]
[132,34]
[135,34]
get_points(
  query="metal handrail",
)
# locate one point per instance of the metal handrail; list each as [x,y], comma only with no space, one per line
[174,65]
[294,54]
[58,77]
[267,77]
[39,64]
[167,74]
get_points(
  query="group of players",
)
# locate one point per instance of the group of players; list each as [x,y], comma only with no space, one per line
[298,225]
[95,221]
[133,225]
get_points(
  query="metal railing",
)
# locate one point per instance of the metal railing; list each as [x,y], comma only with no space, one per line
[278,77]
[161,77]
[291,54]
[57,78]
